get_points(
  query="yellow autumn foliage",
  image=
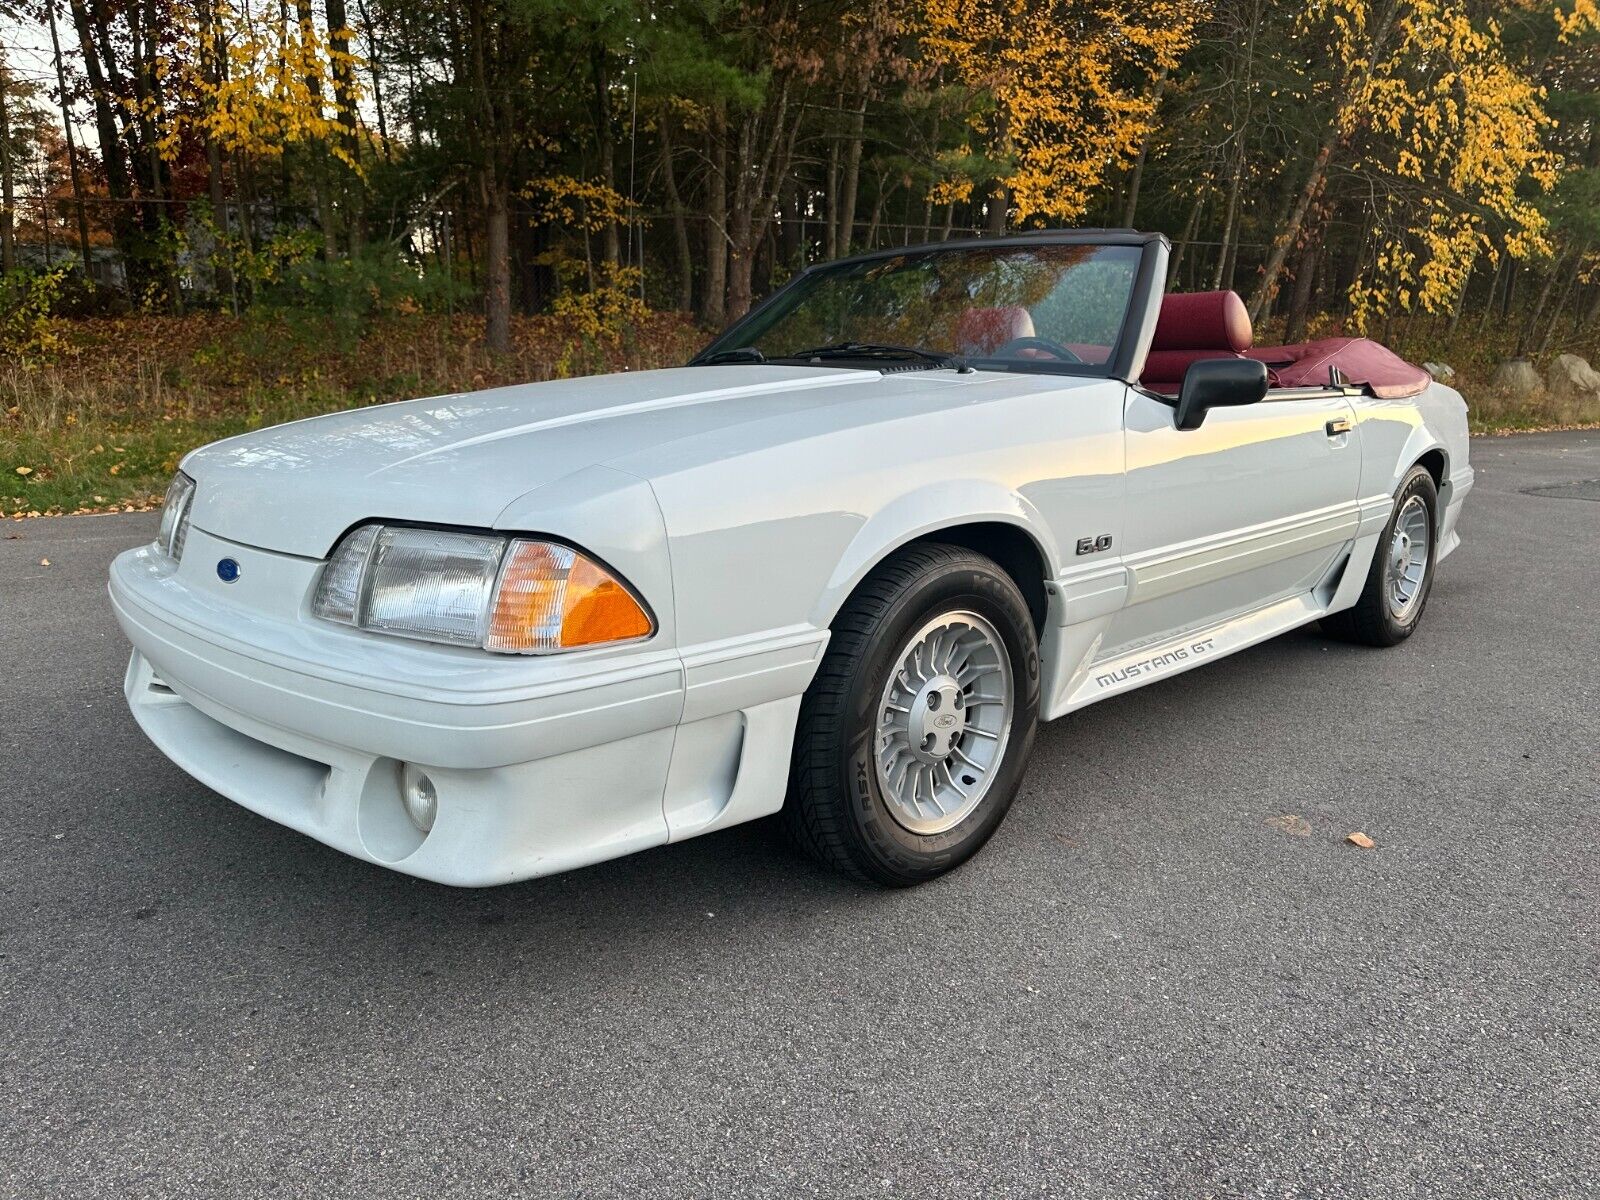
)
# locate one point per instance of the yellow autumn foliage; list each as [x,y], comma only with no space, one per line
[1447,131]
[1064,87]
[273,90]
[580,204]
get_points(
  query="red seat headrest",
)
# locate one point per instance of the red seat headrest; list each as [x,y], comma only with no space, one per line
[984,330]
[1203,321]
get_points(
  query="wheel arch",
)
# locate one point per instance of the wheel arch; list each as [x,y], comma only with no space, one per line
[985,518]
[1013,549]
[1420,446]
[1436,462]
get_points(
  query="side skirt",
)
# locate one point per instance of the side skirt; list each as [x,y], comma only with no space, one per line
[1074,677]
[1195,648]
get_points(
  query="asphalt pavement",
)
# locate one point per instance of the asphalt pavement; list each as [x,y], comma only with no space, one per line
[1168,975]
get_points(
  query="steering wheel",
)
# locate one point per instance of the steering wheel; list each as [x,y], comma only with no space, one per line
[1060,353]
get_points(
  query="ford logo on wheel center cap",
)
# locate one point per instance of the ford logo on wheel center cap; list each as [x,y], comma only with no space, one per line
[227,570]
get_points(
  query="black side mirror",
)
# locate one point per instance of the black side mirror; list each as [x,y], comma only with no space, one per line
[1219,383]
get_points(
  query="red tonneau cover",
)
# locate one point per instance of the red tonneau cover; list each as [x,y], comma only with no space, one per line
[1364,363]
[1199,325]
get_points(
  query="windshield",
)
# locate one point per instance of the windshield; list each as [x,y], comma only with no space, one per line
[1046,307]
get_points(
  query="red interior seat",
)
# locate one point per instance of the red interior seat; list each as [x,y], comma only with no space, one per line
[982,331]
[1193,326]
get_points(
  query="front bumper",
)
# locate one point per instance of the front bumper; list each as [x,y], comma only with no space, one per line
[540,764]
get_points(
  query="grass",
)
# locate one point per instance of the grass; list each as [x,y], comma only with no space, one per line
[102,425]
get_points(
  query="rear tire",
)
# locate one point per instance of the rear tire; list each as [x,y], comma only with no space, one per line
[1401,576]
[914,735]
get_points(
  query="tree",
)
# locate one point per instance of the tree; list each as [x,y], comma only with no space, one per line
[1059,90]
[1424,107]
[8,179]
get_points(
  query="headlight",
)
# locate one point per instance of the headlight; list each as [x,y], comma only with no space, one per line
[510,595]
[175,516]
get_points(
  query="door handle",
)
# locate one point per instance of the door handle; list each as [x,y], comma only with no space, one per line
[1338,426]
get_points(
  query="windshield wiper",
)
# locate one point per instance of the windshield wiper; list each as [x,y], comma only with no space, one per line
[739,354]
[876,350]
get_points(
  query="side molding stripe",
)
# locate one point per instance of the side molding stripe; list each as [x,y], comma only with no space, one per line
[1172,569]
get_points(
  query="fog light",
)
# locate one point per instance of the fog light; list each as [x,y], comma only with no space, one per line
[421,799]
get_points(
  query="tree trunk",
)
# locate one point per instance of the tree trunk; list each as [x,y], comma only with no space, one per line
[213,56]
[680,224]
[740,222]
[850,187]
[119,186]
[830,210]
[713,310]
[1525,336]
[757,178]
[373,58]
[1189,228]
[72,154]
[1461,299]
[1305,274]
[319,182]
[1266,287]
[611,244]
[150,169]
[8,247]
[497,284]
[1136,173]
[999,202]
[1592,315]
[344,100]
[877,215]
[1493,298]
[1135,177]
[219,216]
[1230,218]
[1567,290]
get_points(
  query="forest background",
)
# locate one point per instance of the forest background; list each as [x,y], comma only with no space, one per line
[218,214]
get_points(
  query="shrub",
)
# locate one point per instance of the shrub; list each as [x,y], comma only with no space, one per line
[27,313]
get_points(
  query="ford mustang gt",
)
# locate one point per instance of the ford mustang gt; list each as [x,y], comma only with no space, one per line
[840,565]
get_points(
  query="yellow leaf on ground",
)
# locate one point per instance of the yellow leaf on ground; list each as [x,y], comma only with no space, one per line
[44,562]
[1362,840]
[24,470]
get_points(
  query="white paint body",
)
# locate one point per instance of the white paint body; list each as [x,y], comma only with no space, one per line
[744,503]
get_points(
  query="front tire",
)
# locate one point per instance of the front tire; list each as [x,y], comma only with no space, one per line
[1401,576]
[913,736]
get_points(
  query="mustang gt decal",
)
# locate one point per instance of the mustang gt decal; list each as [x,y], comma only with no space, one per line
[1149,666]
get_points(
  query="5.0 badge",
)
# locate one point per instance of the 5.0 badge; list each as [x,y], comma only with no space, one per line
[1095,544]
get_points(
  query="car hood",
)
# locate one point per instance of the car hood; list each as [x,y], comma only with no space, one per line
[464,459]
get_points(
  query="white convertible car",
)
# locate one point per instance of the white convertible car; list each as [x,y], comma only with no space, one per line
[840,565]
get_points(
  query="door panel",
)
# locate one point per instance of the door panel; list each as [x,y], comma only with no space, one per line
[1252,507]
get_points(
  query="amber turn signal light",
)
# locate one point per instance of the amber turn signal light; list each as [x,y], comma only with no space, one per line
[551,597]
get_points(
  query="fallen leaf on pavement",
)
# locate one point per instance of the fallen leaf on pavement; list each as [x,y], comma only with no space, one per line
[1292,825]
[1362,840]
